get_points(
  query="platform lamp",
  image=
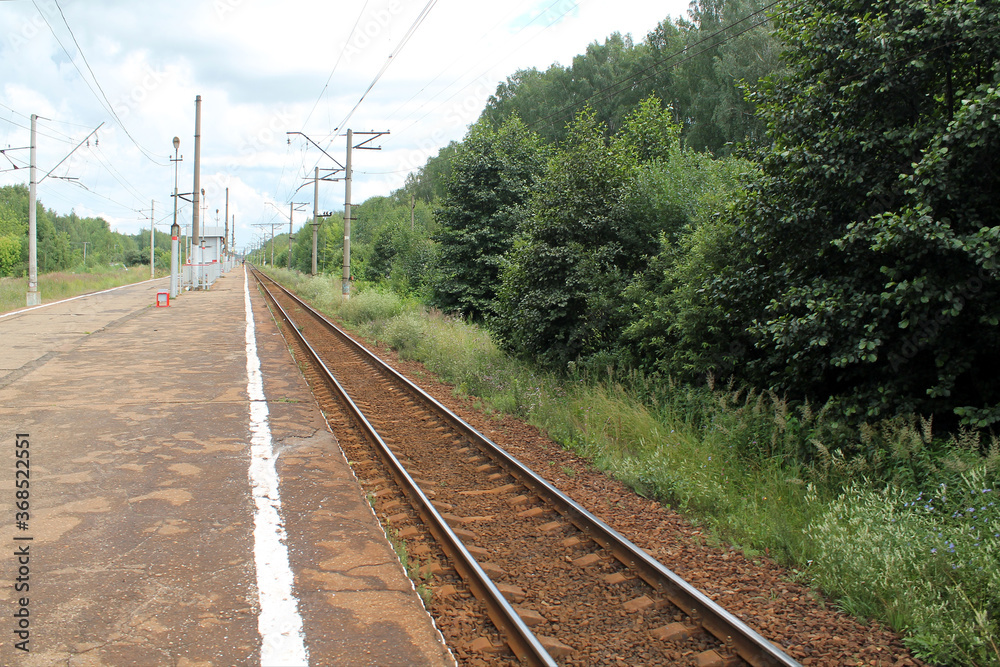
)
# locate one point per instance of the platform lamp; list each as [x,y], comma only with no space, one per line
[175,230]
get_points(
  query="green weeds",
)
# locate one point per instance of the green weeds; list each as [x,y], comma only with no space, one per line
[62,285]
[892,521]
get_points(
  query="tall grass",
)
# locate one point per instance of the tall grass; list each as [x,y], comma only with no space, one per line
[894,522]
[62,284]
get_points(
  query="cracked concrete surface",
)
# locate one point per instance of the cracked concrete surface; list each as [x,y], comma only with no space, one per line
[141,515]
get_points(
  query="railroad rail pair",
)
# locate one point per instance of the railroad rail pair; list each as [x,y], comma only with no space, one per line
[527,488]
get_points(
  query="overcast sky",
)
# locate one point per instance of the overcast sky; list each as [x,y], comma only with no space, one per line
[263,68]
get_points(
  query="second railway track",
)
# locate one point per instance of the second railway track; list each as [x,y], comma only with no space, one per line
[558,585]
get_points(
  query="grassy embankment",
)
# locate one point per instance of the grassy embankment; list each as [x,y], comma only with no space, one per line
[62,285]
[904,528]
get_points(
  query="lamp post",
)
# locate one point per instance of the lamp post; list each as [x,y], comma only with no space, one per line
[202,277]
[175,229]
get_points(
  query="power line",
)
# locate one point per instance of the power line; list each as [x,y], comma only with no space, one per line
[337,63]
[117,175]
[65,140]
[455,62]
[395,52]
[514,50]
[102,99]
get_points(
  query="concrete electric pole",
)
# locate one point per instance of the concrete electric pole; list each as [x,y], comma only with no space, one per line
[175,231]
[152,240]
[346,282]
[315,222]
[196,212]
[34,298]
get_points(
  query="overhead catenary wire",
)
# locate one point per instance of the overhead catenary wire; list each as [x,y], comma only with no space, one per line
[395,52]
[347,43]
[98,155]
[454,62]
[508,53]
[102,98]
[392,56]
[63,139]
[319,98]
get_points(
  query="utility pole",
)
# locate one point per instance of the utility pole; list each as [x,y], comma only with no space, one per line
[152,241]
[346,282]
[225,236]
[196,213]
[316,180]
[34,298]
[315,222]
[263,243]
[291,236]
[175,229]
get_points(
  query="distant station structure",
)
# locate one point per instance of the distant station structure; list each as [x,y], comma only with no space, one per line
[208,261]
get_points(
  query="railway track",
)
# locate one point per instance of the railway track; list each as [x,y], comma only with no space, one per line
[486,536]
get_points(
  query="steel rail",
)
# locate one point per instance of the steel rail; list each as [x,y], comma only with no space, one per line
[519,637]
[748,644]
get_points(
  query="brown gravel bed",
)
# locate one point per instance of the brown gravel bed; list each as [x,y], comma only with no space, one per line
[759,591]
[582,618]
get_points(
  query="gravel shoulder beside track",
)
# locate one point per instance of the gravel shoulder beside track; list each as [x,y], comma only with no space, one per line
[758,590]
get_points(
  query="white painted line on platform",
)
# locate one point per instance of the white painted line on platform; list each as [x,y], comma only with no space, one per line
[279,623]
[74,298]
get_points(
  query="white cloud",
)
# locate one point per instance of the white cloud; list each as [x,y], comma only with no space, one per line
[261,67]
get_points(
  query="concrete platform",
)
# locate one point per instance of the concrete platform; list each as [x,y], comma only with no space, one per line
[154,536]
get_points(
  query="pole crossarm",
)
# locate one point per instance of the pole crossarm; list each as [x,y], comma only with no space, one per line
[329,177]
[3,151]
[375,135]
[317,146]
[275,207]
[70,153]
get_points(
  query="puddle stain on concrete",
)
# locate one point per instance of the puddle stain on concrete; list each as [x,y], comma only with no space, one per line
[175,497]
[51,523]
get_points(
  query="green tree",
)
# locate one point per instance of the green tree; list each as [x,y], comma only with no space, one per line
[14,210]
[10,255]
[587,235]
[428,183]
[698,65]
[865,254]
[493,175]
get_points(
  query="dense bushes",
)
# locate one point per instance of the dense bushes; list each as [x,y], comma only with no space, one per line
[603,209]
[861,263]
